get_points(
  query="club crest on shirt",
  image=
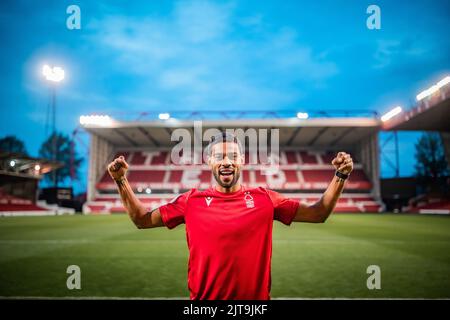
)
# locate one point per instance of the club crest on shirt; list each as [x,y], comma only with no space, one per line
[208,200]
[249,200]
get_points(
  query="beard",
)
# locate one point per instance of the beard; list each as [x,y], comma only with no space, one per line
[227,181]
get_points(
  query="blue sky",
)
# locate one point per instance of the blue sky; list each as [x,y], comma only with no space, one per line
[155,56]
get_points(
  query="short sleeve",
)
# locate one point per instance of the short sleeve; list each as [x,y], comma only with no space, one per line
[284,208]
[172,213]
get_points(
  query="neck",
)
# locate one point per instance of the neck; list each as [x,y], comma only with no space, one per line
[234,188]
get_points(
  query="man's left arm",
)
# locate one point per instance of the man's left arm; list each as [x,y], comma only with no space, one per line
[320,211]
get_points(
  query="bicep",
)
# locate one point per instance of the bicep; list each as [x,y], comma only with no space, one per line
[152,219]
[307,213]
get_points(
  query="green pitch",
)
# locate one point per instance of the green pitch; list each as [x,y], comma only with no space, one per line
[309,261]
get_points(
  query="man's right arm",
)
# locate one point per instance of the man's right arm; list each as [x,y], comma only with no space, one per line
[138,213]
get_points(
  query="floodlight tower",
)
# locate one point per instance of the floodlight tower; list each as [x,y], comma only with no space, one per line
[54,75]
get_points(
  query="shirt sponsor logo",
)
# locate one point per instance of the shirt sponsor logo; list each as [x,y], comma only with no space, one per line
[208,200]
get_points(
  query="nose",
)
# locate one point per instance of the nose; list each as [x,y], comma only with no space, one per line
[226,161]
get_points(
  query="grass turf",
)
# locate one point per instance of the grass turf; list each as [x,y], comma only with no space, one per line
[310,261]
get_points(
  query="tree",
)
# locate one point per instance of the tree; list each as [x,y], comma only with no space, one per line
[65,153]
[12,144]
[431,165]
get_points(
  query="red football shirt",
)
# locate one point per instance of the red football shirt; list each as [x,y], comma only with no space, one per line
[229,236]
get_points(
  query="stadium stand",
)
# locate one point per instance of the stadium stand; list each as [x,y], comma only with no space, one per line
[428,204]
[299,172]
[305,157]
[11,205]
[431,113]
[305,148]
[19,177]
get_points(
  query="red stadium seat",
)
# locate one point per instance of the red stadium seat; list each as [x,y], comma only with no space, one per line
[245,174]
[291,176]
[20,207]
[175,176]
[146,175]
[317,175]
[328,157]
[159,159]
[205,176]
[138,158]
[308,158]
[260,179]
[10,203]
[291,157]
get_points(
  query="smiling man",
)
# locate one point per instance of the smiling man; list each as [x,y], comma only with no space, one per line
[229,226]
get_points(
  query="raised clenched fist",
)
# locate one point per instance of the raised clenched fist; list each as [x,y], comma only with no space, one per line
[343,163]
[118,168]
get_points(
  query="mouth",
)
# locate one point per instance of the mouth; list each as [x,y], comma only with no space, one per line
[226,172]
[227,176]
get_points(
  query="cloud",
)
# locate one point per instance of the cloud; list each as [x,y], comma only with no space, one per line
[200,21]
[196,58]
[290,56]
[179,78]
[388,52]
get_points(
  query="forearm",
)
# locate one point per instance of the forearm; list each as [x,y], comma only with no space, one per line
[134,207]
[321,210]
[328,202]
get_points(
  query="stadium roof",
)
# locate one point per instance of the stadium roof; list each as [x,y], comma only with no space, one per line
[317,132]
[430,114]
[17,164]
